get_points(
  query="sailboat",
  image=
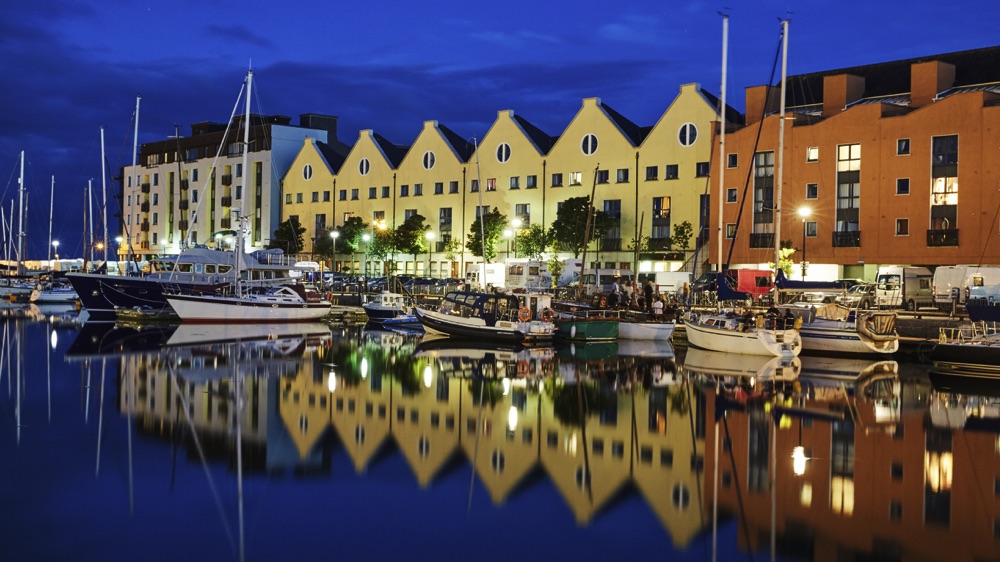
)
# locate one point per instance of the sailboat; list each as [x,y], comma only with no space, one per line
[12,287]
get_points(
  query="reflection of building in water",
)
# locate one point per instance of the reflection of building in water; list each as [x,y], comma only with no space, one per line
[858,488]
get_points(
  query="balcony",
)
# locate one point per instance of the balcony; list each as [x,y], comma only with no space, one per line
[611,245]
[227,201]
[182,225]
[183,205]
[225,223]
[847,239]
[185,184]
[227,179]
[939,238]
[144,245]
[144,207]
[145,187]
[144,226]
[762,240]
[659,244]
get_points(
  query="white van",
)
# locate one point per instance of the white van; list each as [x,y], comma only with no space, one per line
[957,281]
[666,282]
[493,276]
[529,275]
[909,287]
[595,281]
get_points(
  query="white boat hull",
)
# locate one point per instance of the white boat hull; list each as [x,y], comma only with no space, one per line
[755,341]
[437,323]
[194,308]
[648,331]
[56,296]
[833,336]
[760,367]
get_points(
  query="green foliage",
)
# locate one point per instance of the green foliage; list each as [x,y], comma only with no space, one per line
[382,245]
[785,257]
[532,241]
[409,238]
[494,223]
[288,237]
[350,235]
[323,245]
[682,235]
[569,228]
[556,266]
[452,247]
[639,245]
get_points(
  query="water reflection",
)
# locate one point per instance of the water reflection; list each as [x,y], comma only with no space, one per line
[802,457]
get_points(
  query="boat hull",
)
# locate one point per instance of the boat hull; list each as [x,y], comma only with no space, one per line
[475,328]
[587,329]
[212,309]
[102,295]
[983,312]
[779,343]
[842,337]
[647,331]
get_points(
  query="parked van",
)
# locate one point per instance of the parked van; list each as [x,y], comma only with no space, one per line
[907,287]
[982,282]
[477,280]
[595,281]
[666,282]
[947,285]
[529,275]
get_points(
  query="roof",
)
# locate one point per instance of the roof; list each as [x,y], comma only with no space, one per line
[542,140]
[333,157]
[634,133]
[732,116]
[393,152]
[462,147]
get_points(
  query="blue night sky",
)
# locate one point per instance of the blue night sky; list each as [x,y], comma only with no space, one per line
[73,67]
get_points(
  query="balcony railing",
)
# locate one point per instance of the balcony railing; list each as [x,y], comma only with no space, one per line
[144,226]
[185,184]
[938,238]
[762,240]
[145,187]
[227,201]
[182,225]
[659,244]
[227,179]
[183,205]
[848,239]
[144,207]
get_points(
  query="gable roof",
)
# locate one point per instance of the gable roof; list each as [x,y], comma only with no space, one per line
[732,116]
[333,156]
[462,147]
[632,132]
[394,153]
[542,141]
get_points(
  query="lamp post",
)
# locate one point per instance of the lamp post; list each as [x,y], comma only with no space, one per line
[334,234]
[55,248]
[804,212]
[429,235]
[366,238]
[516,223]
[508,234]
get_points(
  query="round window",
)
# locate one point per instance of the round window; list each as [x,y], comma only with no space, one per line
[687,134]
[307,172]
[364,166]
[428,160]
[589,144]
[503,152]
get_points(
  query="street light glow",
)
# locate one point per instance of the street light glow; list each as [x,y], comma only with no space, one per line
[805,212]
[335,234]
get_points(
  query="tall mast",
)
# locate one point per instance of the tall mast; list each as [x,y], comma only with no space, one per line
[52,200]
[135,178]
[20,219]
[88,226]
[722,137]
[104,197]
[781,144]
[246,150]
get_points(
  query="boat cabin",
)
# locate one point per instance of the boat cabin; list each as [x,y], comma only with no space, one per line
[492,307]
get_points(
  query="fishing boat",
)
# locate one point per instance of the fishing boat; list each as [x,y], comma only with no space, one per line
[490,317]
[386,305]
[49,292]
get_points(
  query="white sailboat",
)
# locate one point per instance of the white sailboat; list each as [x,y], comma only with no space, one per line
[13,287]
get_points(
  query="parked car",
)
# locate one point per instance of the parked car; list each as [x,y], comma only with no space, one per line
[861,295]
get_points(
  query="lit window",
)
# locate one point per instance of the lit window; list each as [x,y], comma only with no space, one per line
[812,154]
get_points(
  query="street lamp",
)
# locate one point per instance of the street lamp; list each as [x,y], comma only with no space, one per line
[516,223]
[508,234]
[334,234]
[366,238]
[804,212]
[55,247]
[429,235]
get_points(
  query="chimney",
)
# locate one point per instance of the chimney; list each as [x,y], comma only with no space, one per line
[326,123]
[755,105]
[839,91]
[928,79]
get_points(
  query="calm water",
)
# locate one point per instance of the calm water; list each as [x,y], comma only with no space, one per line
[205,443]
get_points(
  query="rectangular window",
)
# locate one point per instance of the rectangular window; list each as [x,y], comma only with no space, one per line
[288,199]
[155,238]
[602,176]
[407,213]
[239,193]
[523,212]
[730,230]
[944,183]
[762,234]
[156,218]
[315,197]
[902,227]
[530,182]
[902,147]
[444,220]
[491,184]
[732,160]
[701,170]
[661,223]
[652,173]
[372,193]
[354,194]
[812,191]
[156,199]
[239,170]
[515,182]
[848,187]
[670,172]
[812,154]
[194,196]
[385,192]
[557,180]
[576,178]
[342,195]
[731,194]
[298,197]
[326,194]
[453,187]
[376,216]
[811,229]
[438,188]
[418,189]
[474,186]
[194,174]
[404,190]
[902,186]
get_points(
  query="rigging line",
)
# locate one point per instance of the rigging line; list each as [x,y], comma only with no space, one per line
[739,493]
[694,445]
[750,167]
[993,224]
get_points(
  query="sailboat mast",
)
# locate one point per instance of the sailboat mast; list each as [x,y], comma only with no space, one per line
[246,147]
[52,200]
[88,218]
[586,235]
[781,145]
[722,136]
[20,219]
[135,178]
[482,215]
[104,196]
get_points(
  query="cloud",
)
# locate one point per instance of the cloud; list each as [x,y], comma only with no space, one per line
[239,33]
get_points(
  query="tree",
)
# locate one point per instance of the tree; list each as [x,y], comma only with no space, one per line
[682,235]
[493,224]
[288,237]
[785,258]
[351,232]
[532,241]
[569,228]
[323,245]
[556,267]
[452,247]
[382,245]
[409,238]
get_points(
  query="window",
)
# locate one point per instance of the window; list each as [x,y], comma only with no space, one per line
[239,193]
[701,169]
[404,190]
[622,175]
[523,212]
[515,182]
[670,172]
[589,144]
[385,192]
[298,197]
[812,154]
[732,160]
[239,170]
[418,189]
[438,188]
[557,180]
[491,184]
[687,134]
[444,220]
[902,186]
[288,199]
[848,187]
[326,194]
[453,187]
[156,218]
[342,195]
[376,216]
[407,213]
[652,172]
[364,166]
[944,183]
[315,197]
[661,221]
[194,196]
[530,182]
[811,229]
[372,193]
[575,178]
[731,195]
[156,199]
[428,160]
[194,174]
[503,152]
[307,172]
[156,179]
[602,176]
[730,230]
[155,238]
[474,186]
[902,147]
[354,194]
[812,190]
[902,227]
[762,233]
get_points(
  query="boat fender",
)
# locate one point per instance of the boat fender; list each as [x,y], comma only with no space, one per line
[404,308]
[524,314]
[604,302]
[798,323]
[760,321]
[547,314]
[329,296]
[522,368]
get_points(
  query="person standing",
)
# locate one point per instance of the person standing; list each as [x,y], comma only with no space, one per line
[647,296]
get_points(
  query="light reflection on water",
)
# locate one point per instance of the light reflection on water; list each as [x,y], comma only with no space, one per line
[313,440]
